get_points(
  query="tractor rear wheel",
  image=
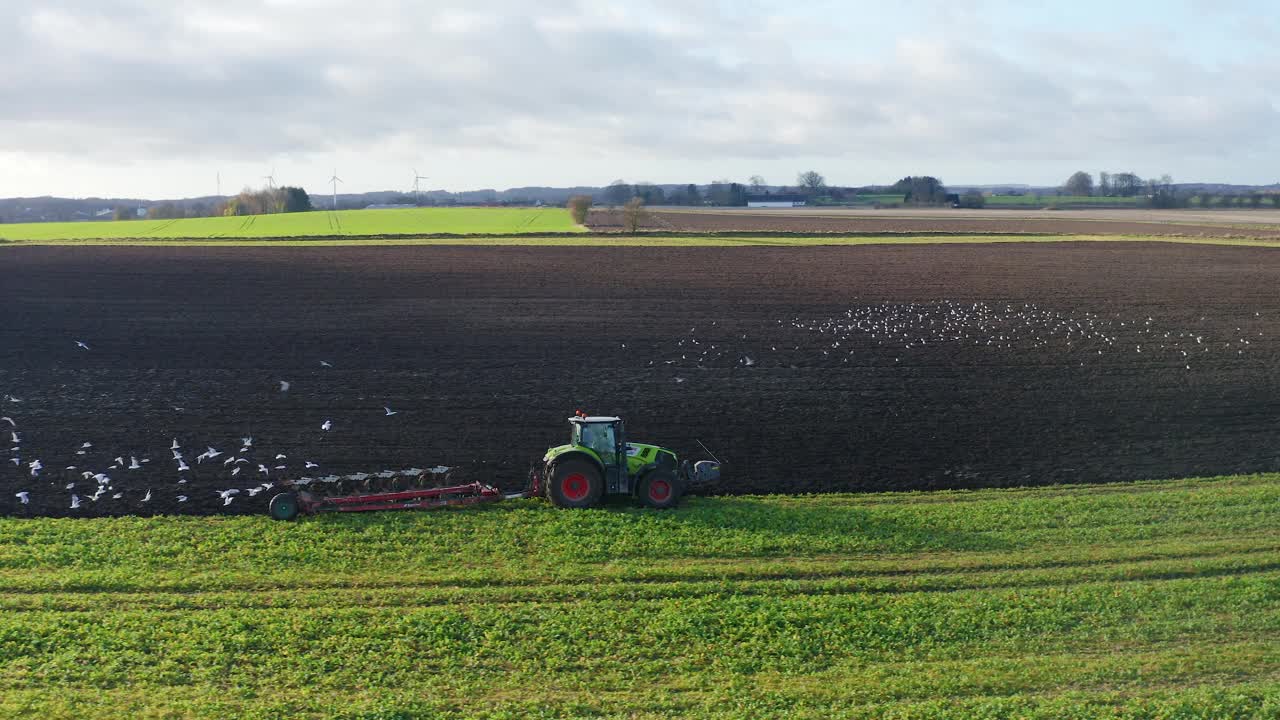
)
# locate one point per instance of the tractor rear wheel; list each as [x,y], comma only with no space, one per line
[659,490]
[575,484]
[284,506]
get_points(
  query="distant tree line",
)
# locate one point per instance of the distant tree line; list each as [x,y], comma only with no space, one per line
[268,201]
[1159,192]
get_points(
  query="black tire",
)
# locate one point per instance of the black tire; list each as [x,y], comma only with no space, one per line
[575,484]
[659,489]
[284,506]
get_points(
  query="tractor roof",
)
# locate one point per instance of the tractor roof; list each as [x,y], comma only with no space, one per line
[594,419]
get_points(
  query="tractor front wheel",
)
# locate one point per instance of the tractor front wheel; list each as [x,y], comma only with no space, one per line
[575,484]
[659,490]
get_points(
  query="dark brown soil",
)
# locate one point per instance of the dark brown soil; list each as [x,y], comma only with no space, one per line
[483,352]
[728,222]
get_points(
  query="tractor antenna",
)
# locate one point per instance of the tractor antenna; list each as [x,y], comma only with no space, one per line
[713,455]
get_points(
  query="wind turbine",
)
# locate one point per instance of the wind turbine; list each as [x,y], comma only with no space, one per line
[417,193]
[334,181]
[271,179]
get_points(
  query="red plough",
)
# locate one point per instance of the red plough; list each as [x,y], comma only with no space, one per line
[287,505]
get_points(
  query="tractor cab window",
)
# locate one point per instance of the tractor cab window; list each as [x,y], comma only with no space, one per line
[600,437]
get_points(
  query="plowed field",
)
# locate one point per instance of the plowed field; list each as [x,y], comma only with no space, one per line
[804,369]
[813,220]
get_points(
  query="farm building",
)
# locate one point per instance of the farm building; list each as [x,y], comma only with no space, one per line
[776,201]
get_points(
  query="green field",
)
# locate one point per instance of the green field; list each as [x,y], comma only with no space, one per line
[323,223]
[1153,600]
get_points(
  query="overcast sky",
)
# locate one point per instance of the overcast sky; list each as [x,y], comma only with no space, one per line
[154,98]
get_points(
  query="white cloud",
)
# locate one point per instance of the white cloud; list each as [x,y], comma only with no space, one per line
[145,96]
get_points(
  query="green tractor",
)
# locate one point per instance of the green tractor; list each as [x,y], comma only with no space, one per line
[598,461]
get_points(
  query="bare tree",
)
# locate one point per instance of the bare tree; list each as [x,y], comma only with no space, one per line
[1080,183]
[811,181]
[633,214]
[1126,184]
[578,206]
[757,184]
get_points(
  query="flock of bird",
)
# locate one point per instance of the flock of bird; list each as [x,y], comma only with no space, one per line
[94,476]
[865,334]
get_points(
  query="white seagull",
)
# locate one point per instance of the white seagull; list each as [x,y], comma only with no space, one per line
[80,344]
[311,465]
[284,386]
[281,456]
[390,412]
[326,425]
[325,364]
[182,498]
[9,420]
[75,501]
[175,445]
[147,497]
[23,497]
[133,463]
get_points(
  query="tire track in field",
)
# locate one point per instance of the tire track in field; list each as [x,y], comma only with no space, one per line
[427,593]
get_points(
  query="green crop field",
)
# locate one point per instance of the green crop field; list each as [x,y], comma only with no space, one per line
[1147,600]
[320,223]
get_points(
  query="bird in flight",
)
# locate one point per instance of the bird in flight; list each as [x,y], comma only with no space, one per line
[390,412]
[325,364]
[23,497]
[147,497]
[284,386]
[9,420]
[327,425]
[80,344]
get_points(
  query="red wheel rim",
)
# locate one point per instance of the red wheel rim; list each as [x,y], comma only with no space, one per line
[659,490]
[575,486]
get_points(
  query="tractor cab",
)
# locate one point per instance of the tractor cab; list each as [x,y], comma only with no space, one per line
[599,461]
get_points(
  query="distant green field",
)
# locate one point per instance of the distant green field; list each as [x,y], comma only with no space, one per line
[1049,200]
[349,223]
[1146,600]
